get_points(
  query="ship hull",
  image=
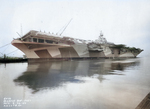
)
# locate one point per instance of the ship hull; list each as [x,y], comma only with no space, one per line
[52,52]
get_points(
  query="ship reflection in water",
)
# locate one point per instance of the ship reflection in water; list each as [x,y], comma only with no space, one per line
[54,74]
[77,84]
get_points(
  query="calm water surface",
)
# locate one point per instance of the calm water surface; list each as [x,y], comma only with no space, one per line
[78,84]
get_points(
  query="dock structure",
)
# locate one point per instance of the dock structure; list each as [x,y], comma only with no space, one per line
[145,103]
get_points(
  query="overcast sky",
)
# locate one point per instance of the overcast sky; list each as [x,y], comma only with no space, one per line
[121,21]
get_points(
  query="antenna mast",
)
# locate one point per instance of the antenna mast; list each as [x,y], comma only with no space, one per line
[18,34]
[65,27]
[21,30]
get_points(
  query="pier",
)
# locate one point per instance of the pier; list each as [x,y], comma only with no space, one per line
[145,103]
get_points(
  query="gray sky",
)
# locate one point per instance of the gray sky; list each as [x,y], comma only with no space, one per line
[121,21]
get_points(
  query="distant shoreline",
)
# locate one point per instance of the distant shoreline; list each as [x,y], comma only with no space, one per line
[13,60]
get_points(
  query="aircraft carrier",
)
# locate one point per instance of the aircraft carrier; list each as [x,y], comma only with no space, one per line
[48,46]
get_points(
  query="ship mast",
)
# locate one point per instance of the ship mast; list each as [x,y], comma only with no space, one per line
[65,27]
[102,40]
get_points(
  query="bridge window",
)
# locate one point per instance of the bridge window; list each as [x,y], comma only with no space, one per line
[41,40]
[34,39]
[25,40]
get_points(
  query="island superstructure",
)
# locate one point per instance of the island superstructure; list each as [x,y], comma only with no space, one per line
[41,45]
